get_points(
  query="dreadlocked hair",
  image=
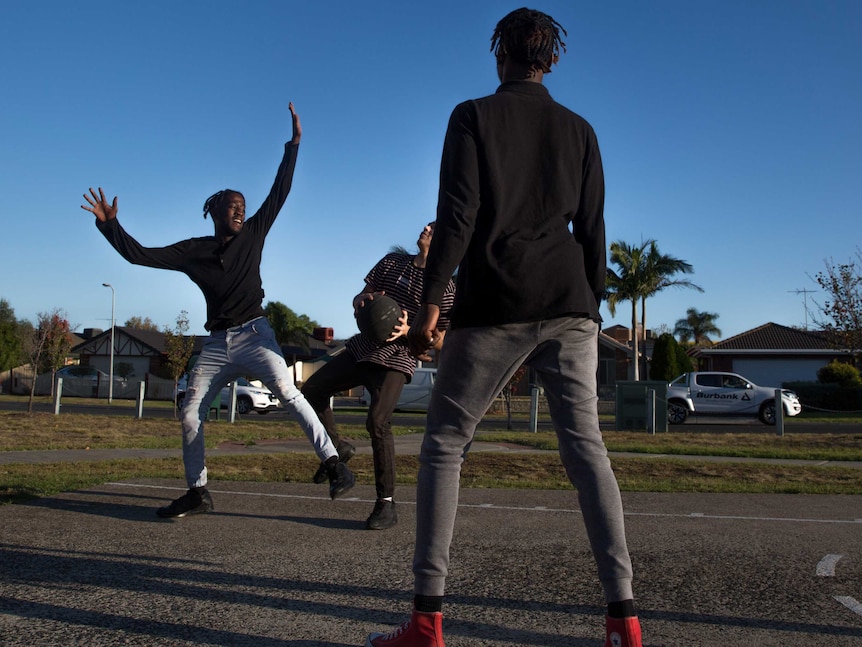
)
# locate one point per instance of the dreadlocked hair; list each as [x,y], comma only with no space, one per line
[530,37]
[215,201]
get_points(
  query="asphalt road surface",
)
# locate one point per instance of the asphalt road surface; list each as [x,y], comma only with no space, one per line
[279,565]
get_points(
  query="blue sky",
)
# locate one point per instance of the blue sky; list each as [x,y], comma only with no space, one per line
[730,133]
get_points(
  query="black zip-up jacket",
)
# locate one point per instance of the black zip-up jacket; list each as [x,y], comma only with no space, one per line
[229,274]
[520,211]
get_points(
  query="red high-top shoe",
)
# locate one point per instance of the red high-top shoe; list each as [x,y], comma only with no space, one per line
[623,632]
[422,630]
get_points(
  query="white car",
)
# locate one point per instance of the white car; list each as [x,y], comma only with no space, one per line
[415,395]
[725,394]
[249,397]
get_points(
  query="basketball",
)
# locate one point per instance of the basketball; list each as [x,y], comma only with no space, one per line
[377,317]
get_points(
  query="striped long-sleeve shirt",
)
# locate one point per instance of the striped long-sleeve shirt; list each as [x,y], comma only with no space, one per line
[399,278]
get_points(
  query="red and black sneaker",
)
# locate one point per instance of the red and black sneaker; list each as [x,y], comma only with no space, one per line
[422,630]
[623,632]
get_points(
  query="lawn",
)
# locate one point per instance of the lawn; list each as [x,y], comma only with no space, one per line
[649,463]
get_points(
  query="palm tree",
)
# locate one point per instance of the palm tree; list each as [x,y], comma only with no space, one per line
[697,326]
[629,284]
[643,272]
[659,270]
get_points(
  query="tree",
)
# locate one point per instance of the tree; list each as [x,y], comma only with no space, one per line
[509,390]
[11,346]
[643,272]
[290,329]
[669,359]
[697,327]
[664,364]
[629,284]
[124,369]
[685,362]
[659,272]
[178,348]
[58,342]
[842,312]
[34,346]
[47,345]
[141,323]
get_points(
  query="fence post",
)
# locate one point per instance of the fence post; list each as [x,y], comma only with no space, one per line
[650,411]
[232,405]
[534,408]
[779,413]
[58,391]
[141,391]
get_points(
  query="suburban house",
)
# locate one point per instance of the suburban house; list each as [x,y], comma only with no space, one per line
[771,354]
[139,355]
[615,357]
[142,352]
[136,352]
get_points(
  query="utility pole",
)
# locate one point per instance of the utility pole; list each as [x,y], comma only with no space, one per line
[111,369]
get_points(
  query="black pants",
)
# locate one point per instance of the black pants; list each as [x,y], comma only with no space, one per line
[384,386]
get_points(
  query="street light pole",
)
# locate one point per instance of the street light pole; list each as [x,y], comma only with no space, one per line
[111,369]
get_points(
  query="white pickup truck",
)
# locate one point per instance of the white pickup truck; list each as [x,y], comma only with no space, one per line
[725,394]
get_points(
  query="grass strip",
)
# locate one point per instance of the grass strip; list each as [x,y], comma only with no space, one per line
[20,482]
[828,447]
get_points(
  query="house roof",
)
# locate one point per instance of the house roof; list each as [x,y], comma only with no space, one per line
[608,340]
[773,337]
[316,348]
[152,339]
[155,340]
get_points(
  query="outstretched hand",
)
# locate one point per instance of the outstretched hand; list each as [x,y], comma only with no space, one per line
[297,127]
[99,206]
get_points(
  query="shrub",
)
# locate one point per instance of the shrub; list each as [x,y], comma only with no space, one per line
[664,364]
[826,397]
[840,373]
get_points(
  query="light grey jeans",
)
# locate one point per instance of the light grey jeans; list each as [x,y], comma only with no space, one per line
[475,364]
[249,349]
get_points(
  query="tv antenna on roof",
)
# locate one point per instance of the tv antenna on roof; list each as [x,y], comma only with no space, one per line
[805,294]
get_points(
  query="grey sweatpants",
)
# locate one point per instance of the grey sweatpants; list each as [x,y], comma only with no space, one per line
[475,364]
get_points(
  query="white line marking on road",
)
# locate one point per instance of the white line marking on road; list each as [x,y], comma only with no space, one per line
[826,566]
[688,515]
[850,603]
[733,517]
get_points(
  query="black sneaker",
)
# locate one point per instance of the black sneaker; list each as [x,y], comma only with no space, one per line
[192,502]
[345,453]
[341,479]
[382,517]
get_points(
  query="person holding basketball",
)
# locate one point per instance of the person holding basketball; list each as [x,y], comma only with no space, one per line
[226,267]
[381,367]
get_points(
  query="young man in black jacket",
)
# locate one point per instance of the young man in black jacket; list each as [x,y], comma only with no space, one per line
[226,267]
[520,214]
